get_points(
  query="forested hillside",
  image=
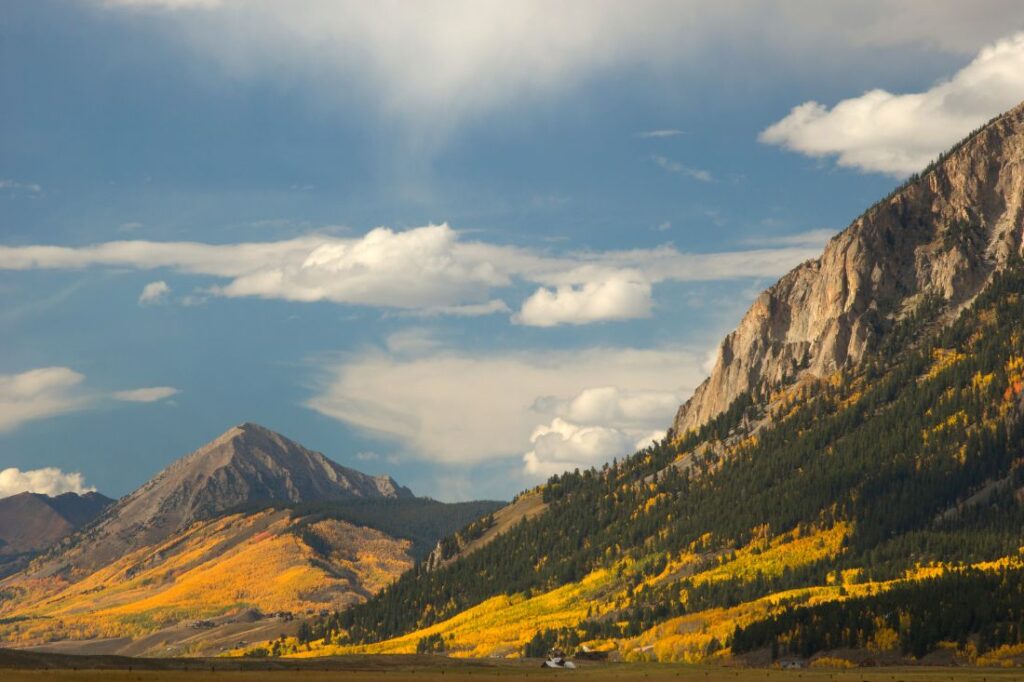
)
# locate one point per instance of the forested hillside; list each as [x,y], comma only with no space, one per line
[917,455]
[810,488]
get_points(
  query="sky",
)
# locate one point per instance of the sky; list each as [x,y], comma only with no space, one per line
[465,244]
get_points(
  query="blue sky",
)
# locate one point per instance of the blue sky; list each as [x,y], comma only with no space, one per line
[464,244]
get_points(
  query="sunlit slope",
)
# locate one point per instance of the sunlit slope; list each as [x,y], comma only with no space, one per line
[502,625]
[895,470]
[271,560]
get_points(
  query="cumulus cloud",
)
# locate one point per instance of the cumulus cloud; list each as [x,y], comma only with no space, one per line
[464,409]
[621,296]
[597,424]
[900,134]
[151,394]
[39,393]
[154,292]
[48,481]
[563,446]
[427,270]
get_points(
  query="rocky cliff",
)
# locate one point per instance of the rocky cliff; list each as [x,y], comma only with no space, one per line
[943,234]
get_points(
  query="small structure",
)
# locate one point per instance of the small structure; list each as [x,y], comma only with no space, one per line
[556,659]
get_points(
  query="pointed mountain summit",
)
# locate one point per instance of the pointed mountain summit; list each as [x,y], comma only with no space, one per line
[246,465]
[940,237]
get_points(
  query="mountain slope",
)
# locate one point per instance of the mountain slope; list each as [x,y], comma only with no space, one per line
[30,522]
[865,431]
[247,464]
[249,524]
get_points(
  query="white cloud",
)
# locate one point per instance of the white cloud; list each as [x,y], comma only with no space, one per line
[563,446]
[621,296]
[151,394]
[427,270]
[460,409]
[597,424]
[48,481]
[50,391]
[676,167]
[625,408]
[664,132]
[900,134]
[154,292]
[433,63]
[21,188]
[815,239]
[39,393]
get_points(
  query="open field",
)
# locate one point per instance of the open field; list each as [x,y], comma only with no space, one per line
[29,667]
[648,673]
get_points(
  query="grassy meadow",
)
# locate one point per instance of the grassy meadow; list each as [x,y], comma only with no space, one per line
[596,673]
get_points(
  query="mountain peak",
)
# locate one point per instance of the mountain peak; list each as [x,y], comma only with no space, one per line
[247,464]
[942,235]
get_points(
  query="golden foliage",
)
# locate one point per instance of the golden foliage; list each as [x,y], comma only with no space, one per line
[227,565]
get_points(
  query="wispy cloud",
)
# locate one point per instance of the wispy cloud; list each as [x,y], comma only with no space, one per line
[676,167]
[813,239]
[38,394]
[146,395]
[430,402]
[15,188]
[900,134]
[432,64]
[664,132]
[47,392]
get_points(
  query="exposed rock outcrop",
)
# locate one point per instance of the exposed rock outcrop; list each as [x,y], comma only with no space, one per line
[944,233]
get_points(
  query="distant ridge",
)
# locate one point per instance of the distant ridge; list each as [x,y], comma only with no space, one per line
[31,522]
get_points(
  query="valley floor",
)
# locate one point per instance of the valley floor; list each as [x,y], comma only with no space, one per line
[438,669]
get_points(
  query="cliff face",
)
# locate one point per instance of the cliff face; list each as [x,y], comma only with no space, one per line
[944,234]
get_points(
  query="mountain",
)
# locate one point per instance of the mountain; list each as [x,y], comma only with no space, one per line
[246,465]
[250,525]
[854,462]
[943,234]
[30,523]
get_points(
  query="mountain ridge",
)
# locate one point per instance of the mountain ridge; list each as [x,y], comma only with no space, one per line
[943,233]
[33,522]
